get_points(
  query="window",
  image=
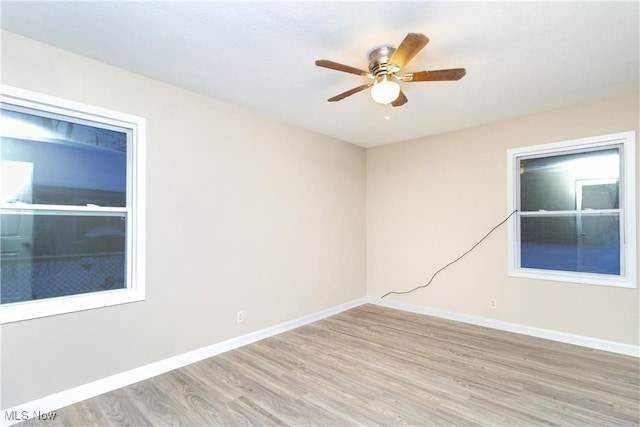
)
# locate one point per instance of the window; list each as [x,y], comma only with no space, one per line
[576,217]
[71,207]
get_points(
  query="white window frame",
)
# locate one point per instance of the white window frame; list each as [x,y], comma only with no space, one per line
[628,254]
[135,208]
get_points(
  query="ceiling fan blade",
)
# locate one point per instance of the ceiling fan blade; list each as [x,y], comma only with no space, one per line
[436,75]
[400,100]
[410,46]
[350,92]
[341,67]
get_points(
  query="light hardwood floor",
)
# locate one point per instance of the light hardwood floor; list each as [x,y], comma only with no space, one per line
[377,366]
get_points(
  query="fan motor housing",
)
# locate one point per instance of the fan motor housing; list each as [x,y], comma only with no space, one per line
[379,60]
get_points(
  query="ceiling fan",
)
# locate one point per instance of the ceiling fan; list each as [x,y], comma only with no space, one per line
[384,64]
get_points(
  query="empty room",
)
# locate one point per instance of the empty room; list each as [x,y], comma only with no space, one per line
[313,213]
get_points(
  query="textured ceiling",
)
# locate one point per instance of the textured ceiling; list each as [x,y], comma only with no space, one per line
[520,57]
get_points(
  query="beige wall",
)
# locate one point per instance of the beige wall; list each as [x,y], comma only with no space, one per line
[431,199]
[244,213]
[247,213]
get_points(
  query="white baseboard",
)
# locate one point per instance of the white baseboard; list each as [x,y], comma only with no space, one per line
[49,404]
[595,343]
[59,400]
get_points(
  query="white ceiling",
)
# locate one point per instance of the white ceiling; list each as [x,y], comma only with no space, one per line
[520,57]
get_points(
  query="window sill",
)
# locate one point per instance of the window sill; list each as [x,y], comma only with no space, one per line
[574,277]
[52,306]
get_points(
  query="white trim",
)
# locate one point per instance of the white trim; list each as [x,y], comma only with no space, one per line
[68,304]
[77,394]
[135,209]
[35,100]
[594,343]
[628,251]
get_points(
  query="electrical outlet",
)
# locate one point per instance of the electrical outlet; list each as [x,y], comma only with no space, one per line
[493,303]
[240,316]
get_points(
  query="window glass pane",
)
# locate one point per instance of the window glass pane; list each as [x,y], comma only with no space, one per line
[48,255]
[53,161]
[587,242]
[587,180]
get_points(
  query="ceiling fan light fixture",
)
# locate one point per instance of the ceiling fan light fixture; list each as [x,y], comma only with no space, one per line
[384,64]
[385,91]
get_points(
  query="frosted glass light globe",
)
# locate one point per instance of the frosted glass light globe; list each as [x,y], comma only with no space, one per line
[385,91]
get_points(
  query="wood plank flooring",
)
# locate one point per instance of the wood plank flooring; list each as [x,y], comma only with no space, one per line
[377,366]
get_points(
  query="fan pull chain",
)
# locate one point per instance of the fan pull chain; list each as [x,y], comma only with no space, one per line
[386,116]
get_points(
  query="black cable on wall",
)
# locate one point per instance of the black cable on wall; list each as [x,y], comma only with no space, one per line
[452,262]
